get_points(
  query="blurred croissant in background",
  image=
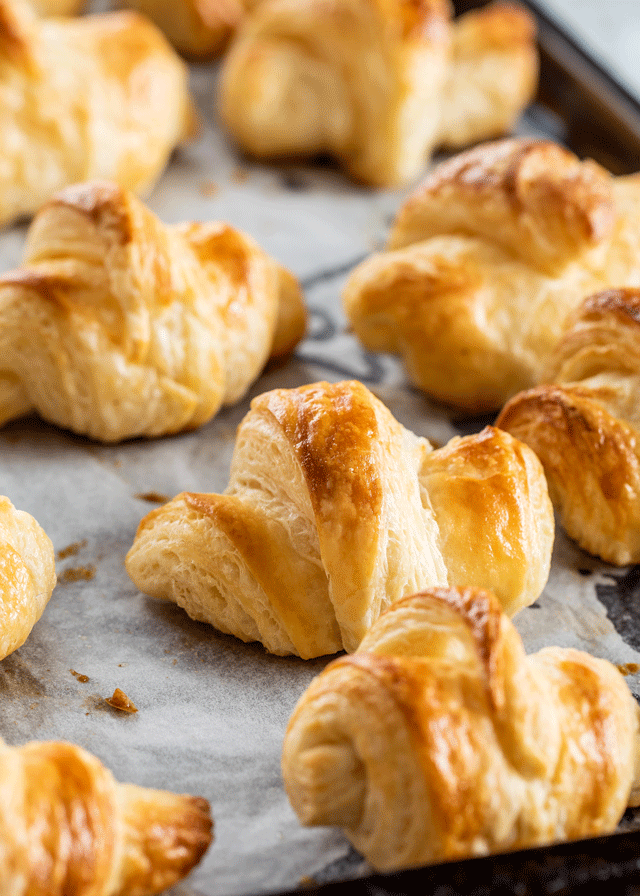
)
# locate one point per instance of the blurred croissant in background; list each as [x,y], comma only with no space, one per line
[27,575]
[441,739]
[583,422]
[67,826]
[486,260]
[57,7]
[117,326]
[376,83]
[101,96]
[333,511]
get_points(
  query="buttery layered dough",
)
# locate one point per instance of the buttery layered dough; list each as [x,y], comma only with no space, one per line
[101,96]
[375,83]
[441,739]
[117,326]
[485,261]
[196,28]
[57,7]
[583,422]
[67,826]
[27,575]
[334,511]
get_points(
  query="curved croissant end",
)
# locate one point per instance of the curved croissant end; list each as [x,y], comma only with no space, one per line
[127,109]
[440,739]
[584,425]
[359,79]
[199,29]
[27,575]
[65,819]
[117,326]
[333,512]
[486,261]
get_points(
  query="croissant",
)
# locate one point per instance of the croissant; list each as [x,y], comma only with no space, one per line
[27,575]
[441,739]
[333,511]
[375,83]
[117,326]
[67,826]
[485,262]
[57,7]
[91,97]
[197,28]
[583,424]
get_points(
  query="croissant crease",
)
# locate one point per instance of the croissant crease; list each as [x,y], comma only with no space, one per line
[375,83]
[118,326]
[486,260]
[584,425]
[67,826]
[441,739]
[333,511]
[100,96]
[27,575]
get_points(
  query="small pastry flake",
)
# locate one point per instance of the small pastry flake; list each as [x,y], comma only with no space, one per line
[583,422]
[333,511]
[117,326]
[440,739]
[376,83]
[100,96]
[66,822]
[486,259]
[27,575]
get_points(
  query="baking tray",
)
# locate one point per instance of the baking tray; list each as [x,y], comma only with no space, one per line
[212,711]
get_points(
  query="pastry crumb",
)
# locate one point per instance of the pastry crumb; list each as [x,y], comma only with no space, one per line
[77,574]
[629,668]
[79,676]
[71,549]
[120,701]
[153,497]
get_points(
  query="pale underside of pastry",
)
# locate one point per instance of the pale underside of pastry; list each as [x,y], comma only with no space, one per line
[486,259]
[583,422]
[118,326]
[101,96]
[333,511]
[441,739]
[67,826]
[198,29]
[376,83]
[27,575]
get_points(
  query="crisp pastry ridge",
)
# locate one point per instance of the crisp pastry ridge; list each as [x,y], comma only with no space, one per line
[100,96]
[67,826]
[486,260]
[440,739]
[333,511]
[376,83]
[27,575]
[118,326]
[583,423]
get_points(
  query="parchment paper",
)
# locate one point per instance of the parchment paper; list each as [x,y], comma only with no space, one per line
[212,711]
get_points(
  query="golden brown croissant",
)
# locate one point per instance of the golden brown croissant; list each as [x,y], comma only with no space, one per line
[27,575]
[67,826]
[57,7]
[196,28]
[441,739]
[584,424]
[117,326]
[333,511]
[486,260]
[367,81]
[91,97]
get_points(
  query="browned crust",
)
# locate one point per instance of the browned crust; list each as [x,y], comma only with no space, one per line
[101,202]
[498,26]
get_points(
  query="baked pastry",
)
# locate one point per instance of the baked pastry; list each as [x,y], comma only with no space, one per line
[57,7]
[117,326]
[583,422]
[367,81]
[27,575]
[333,511]
[486,260]
[198,29]
[67,826]
[101,96]
[441,739]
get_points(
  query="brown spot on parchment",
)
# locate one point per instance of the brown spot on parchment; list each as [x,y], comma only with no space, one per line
[77,574]
[71,549]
